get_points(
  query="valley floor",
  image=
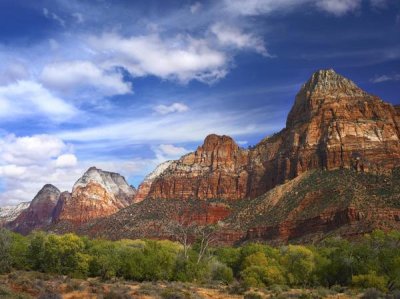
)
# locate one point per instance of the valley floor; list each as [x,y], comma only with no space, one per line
[30,284]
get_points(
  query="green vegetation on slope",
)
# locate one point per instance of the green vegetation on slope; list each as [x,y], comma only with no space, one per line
[373,262]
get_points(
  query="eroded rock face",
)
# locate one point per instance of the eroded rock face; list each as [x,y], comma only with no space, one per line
[39,212]
[9,213]
[333,124]
[96,194]
[217,169]
[144,187]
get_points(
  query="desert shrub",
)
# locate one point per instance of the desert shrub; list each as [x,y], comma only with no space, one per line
[252,295]
[237,288]
[49,295]
[221,272]
[173,293]
[370,280]
[372,294]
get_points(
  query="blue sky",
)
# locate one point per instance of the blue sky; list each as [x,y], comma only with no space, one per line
[125,85]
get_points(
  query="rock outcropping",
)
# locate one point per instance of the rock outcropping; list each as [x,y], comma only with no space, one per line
[96,194]
[9,213]
[144,188]
[333,124]
[217,169]
[39,212]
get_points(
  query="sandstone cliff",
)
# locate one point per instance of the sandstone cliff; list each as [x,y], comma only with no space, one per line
[144,187]
[333,124]
[217,169]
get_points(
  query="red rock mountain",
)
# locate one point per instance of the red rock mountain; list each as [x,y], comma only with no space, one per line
[333,124]
[96,194]
[39,212]
[217,169]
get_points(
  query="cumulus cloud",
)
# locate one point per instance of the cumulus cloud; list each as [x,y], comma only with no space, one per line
[76,74]
[28,98]
[385,78]
[173,108]
[30,149]
[29,162]
[181,58]
[66,161]
[231,36]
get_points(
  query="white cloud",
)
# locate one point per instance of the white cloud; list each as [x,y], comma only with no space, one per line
[384,78]
[231,36]
[12,171]
[339,7]
[171,151]
[30,149]
[75,74]
[28,98]
[194,8]
[173,128]
[173,108]
[259,7]
[66,161]
[29,162]
[181,58]
[51,15]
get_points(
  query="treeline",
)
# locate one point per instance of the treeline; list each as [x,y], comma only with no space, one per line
[372,262]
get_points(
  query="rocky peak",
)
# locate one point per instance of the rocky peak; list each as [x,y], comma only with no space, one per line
[328,82]
[48,193]
[326,88]
[39,213]
[216,152]
[113,182]
[213,141]
[96,194]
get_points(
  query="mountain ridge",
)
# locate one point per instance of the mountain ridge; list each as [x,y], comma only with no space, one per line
[333,126]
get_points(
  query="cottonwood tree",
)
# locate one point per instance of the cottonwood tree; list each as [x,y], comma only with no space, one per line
[186,230]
